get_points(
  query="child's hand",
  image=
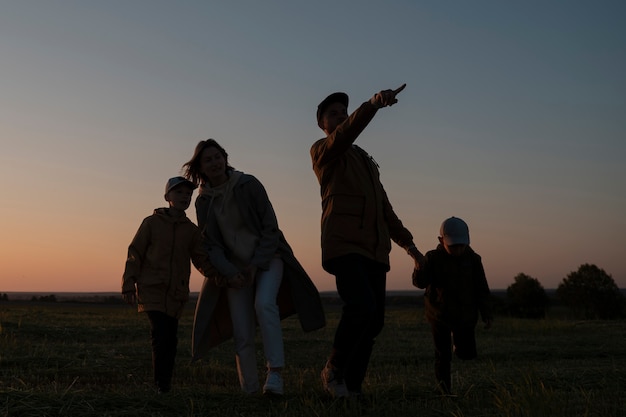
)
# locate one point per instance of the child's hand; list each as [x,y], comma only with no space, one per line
[414,277]
[419,261]
[419,278]
[418,258]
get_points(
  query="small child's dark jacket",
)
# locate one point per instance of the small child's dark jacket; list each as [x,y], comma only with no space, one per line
[456,287]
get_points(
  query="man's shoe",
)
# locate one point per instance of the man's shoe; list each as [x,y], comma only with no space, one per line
[163,388]
[333,382]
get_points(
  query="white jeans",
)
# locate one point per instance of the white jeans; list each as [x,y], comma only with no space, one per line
[243,304]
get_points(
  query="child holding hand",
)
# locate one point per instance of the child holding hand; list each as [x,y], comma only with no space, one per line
[456,292]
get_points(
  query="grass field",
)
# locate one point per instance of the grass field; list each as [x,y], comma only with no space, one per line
[94,360]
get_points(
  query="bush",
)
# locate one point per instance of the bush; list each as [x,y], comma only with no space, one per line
[527,298]
[591,293]
[45,298]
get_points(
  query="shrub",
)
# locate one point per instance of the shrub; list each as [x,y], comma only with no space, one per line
[591,293]
[45,298]
[527,298]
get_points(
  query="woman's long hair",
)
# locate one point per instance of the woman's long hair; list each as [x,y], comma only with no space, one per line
[191,169]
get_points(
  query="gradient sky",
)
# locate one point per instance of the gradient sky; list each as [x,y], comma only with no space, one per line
[514,119]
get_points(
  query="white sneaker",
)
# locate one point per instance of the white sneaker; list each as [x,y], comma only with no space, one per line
[273,383]
[333,382]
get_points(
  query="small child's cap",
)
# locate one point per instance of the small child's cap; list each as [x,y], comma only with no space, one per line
[176,181]
[454,231]
[337,97]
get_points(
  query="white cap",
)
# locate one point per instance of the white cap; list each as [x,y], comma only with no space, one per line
[454,231]
[176,181]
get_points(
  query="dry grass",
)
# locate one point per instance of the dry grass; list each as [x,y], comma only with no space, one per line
[94,360]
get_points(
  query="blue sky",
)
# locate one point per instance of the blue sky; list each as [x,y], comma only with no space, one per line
[513,119]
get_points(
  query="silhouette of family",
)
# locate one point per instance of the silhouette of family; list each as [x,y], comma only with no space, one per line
[253,279]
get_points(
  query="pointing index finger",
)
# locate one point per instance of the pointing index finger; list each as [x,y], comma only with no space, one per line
[396,91]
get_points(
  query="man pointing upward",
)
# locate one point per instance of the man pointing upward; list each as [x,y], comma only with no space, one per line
[358,225]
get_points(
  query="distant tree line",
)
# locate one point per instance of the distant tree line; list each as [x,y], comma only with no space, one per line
[589,293]
[45,298]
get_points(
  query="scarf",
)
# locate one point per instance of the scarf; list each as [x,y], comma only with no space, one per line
[240,241]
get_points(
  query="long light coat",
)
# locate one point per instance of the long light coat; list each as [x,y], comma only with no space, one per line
[297,294]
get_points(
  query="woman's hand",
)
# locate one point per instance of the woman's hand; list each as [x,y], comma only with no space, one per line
[237,281]
[250,273]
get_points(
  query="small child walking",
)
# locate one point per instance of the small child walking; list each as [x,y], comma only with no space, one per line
[456,292]
[157,272]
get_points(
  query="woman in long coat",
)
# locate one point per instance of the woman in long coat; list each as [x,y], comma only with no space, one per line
[260,280]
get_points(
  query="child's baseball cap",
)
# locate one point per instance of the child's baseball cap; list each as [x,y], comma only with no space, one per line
[176,181]
[337,97]
[454,231]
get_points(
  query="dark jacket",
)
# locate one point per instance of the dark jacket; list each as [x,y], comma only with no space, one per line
[158,262]
[456,287]
[357,217]
[297,293]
